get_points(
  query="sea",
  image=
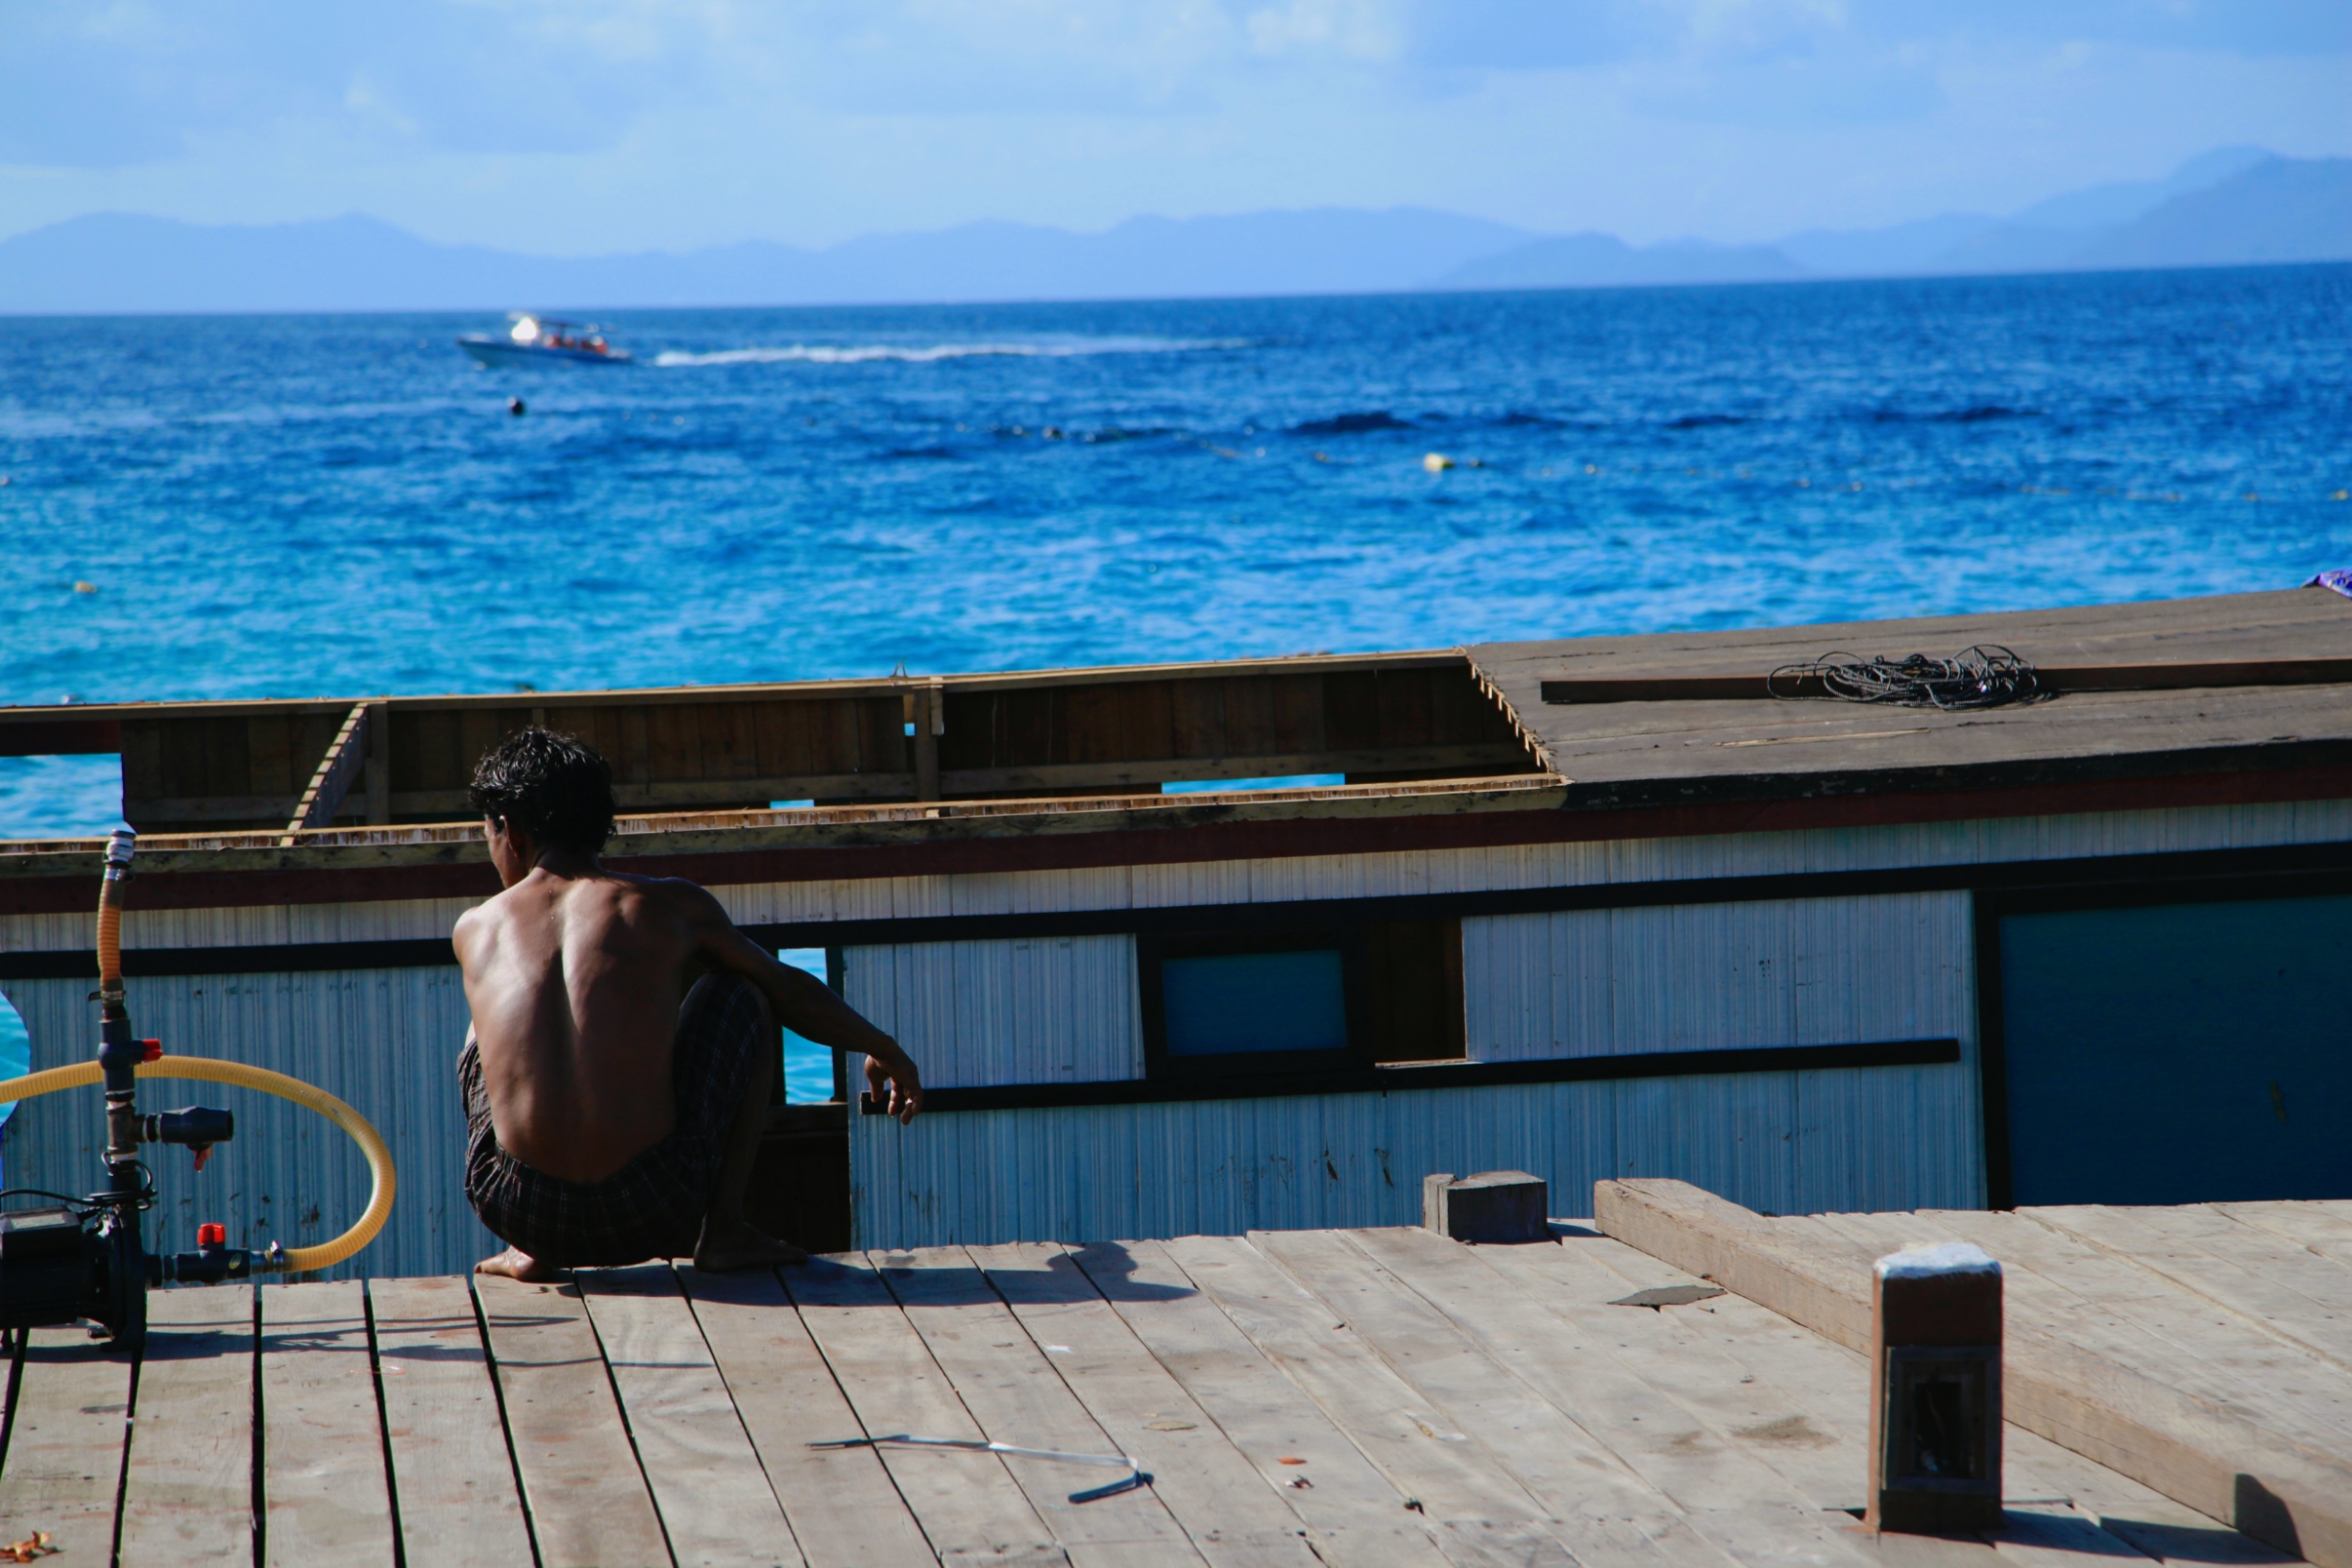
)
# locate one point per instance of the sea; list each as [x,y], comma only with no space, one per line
[297,506]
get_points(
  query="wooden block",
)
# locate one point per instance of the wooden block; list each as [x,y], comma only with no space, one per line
[1492,1205]
[323,1470]
[2138,1423]
[1935,1390]
[452,1474]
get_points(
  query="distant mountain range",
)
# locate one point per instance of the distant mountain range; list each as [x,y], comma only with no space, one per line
[2228,207]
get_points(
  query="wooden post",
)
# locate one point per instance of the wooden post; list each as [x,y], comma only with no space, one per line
[1935,1391]
[1492,1205]
[927,712]
[378,763]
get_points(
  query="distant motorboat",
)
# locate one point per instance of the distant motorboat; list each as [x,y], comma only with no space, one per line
[539,340]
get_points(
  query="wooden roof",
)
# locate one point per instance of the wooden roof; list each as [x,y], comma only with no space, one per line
[1297,1399]
[2243,682]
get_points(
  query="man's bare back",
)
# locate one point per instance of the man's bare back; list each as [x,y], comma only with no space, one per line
[576,976]
[574,985]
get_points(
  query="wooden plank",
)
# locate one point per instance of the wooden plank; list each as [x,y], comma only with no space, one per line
[188,1485]
[1448,1473]
[1674,1352]
[2187,1448]
[716,1505]
[844,1510]
[1261,1413]
[1013,1392]
[323,1491]
[2294,1293]
[930,719]
[1605,1452]
[1672,1425]
[66,1432]
[2321,1227]
[379,763]
[2167,676]
[1795,1369]
[965,1503]
[587,1497]
[452,1476]
[1233,1513]
[2074,1290]
[1197,719]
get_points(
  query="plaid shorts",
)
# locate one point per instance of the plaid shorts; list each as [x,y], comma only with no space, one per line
[653,1205]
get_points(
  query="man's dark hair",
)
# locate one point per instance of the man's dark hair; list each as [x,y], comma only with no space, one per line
[556,788]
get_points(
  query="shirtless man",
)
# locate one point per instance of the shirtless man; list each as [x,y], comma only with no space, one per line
[624,1038]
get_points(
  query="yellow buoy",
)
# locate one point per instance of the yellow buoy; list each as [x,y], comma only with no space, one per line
[1436,462]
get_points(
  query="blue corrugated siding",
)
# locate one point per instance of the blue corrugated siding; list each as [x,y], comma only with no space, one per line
[386,1042]
[1778,1142]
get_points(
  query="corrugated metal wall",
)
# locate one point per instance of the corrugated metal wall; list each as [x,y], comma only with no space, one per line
[1779,1142]
[383,1040]
[1685,977]
[386,1040]
[1047,1010]
[1590,983]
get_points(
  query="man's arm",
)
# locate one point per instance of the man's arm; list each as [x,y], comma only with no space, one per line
[802,1003]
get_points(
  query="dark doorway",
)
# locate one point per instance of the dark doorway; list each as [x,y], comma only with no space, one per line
[2178,1053]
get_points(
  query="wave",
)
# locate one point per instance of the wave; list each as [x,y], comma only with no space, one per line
[861,353]
[1978,414]
[1380,419]
[1704,422]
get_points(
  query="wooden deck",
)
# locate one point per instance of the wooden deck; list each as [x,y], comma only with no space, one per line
[1298,1398]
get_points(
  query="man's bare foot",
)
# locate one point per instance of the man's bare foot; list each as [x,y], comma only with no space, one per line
[741,1245]
[517,1265]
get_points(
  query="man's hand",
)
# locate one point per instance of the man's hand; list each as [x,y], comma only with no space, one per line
[896,1086]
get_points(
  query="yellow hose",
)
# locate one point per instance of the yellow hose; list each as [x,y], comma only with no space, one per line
[298,1259]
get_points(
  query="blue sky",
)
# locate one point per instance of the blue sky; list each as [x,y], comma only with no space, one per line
[570,127]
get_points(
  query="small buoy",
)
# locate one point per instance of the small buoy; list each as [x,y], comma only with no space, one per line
[1436,462]
[1053,433]
[85,587]
[514,406]
[1804,484]
[2252,496]
[4,479]
[1325,457]
[2341,495]
[1592,468]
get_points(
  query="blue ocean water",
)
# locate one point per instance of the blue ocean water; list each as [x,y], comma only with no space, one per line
[297,505]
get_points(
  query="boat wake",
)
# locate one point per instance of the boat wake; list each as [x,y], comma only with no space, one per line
[838,353]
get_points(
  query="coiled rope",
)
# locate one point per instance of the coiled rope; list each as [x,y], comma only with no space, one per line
[1984,677]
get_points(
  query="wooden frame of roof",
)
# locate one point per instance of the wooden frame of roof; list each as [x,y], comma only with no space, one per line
[383,761]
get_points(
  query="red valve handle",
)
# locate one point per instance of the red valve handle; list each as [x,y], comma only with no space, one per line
[212,1234]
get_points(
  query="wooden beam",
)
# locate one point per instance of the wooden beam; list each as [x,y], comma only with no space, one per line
[927,713]
[378,763]
[2054,679]
[2191,1450]
[333,776]
[41,737]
